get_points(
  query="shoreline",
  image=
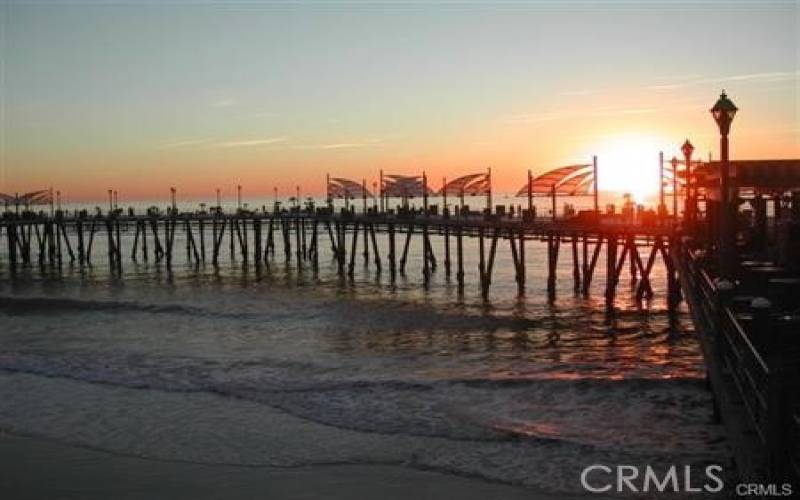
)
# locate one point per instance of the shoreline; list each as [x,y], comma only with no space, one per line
[37,468]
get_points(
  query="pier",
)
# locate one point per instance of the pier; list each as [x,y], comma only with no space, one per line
[304,237]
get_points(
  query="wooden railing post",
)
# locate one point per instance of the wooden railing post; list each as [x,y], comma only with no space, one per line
[776,404]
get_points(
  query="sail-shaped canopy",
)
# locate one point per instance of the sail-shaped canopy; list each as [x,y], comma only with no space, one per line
[404,186]
[472,184]
[572,185]
[41,197]
[346,188]
[544,184]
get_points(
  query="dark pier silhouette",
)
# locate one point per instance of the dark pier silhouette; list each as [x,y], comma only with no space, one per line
[304,237]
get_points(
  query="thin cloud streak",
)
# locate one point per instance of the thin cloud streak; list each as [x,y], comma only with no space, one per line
[223,103]
[182,144]
[771,76]
[224,144]
[542,117]
[344,145]
[252,142]
[576,93]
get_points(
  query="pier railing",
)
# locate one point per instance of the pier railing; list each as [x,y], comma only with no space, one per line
[744,351]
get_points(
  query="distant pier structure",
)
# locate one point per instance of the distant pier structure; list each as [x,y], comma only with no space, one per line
[306,234]
[304,237]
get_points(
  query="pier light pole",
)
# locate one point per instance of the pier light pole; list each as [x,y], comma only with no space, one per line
[110,200]
[219,201]
[689,208]
[375,196]
[723,112]
[239,196]
[444,194]
[364,195]
[172,192]
[674,163]
[383,195]
[489,189]
[58,200]
[595,193]
[275,199]
[530,193]
[425,192]
[661,204]
[328,199]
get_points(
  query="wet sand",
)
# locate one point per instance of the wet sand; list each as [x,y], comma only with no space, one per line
[39,469]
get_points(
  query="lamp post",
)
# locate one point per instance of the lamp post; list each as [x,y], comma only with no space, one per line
[238,196]
[444,194]
[661,205]
[594,187]
[425,192]
[723,112]
[674,163]
[689,205]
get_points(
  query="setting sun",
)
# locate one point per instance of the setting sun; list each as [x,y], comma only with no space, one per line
[629,164]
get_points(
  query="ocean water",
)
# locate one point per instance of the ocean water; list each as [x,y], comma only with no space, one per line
[286,367]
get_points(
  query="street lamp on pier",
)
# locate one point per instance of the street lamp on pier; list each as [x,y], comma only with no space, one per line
[674,163]
[689,203]
[723,112]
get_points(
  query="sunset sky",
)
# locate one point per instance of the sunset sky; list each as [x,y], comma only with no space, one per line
[139,97]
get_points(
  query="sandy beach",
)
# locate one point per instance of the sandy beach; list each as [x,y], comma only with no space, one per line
[40,469]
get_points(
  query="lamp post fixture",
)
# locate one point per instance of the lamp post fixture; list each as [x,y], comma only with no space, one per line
[239,196]
[723,112]
[172,192]
[674,164]
[689,204]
